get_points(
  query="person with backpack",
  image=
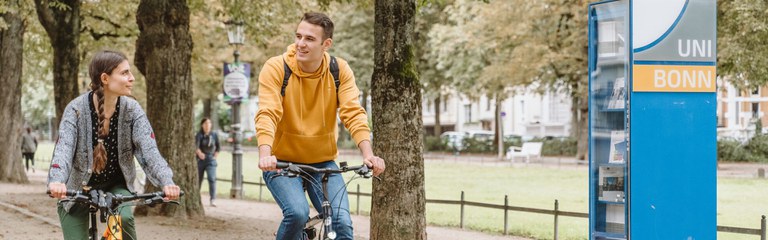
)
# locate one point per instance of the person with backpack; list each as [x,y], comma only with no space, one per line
[208,147]
[300,93]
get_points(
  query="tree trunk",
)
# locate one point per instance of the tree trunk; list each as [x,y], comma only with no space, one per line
[398,204]
[11,52]
[63,28]
[438,128]
[580,123]
[499,135]
[207,107]
[163,53]
[215,114]
[364,101]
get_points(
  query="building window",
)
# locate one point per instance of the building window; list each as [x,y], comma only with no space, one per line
[756,91]
[755,109]
[468,112]
[445,103]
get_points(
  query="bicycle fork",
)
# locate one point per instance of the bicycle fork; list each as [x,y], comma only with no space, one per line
[327,212]
[92,232]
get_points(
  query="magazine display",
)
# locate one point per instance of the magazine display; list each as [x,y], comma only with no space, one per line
[611,184]
[618,147]
[617,95]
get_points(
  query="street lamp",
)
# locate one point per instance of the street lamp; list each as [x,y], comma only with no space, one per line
[236,37]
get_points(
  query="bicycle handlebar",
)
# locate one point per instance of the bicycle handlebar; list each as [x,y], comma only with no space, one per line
[296,168]
[102,199]
[74,193]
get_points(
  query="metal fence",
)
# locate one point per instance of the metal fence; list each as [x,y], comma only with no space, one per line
[555,212]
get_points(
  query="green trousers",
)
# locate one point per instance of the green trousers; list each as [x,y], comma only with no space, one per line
[76,222]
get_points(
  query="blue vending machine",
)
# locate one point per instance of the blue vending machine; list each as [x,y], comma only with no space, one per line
[652,107]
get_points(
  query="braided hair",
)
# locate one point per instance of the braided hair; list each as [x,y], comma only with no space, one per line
[103,62]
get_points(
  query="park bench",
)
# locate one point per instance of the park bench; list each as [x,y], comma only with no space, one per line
[529,150]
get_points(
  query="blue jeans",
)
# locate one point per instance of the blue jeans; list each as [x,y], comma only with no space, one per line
[289,195]
[207,166]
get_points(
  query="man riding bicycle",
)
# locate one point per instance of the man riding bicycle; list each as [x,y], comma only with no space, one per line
[300,92]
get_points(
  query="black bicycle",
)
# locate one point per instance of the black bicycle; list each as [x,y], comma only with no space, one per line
[108,205]
[326,217]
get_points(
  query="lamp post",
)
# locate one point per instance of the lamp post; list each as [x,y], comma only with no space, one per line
[236,38]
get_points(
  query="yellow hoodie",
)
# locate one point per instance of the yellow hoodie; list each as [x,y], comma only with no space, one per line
[301,127]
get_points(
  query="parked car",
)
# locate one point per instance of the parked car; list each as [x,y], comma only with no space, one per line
[454,140]
[481,135]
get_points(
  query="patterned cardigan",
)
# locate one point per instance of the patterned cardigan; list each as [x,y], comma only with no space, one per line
[72,160]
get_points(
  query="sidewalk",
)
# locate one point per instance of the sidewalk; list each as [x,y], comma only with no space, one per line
[361,224]
[34,214]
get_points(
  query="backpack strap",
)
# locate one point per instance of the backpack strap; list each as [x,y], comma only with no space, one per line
[334,71]
[286,76]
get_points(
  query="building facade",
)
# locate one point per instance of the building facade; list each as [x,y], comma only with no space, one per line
[528,114]
[738,111]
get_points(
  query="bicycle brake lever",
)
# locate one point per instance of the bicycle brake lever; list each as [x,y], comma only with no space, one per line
[153,201]
[78,198]
[278,174]
[284,173]
[172,202]
[365,172]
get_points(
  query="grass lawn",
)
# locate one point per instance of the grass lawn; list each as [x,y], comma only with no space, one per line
[741,202]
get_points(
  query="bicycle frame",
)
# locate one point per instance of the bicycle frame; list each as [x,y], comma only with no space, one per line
[114,230]
[326,217]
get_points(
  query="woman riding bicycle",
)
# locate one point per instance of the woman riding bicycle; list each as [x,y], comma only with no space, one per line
[100,133]
[296,122]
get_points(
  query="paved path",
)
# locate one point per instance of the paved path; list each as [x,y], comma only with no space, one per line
[34,216]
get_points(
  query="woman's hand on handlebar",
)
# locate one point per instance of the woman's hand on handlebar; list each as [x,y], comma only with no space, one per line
[58,190]
[376,164]
[171,192]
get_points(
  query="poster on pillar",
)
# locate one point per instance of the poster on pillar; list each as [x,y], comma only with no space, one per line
[674,46]
[237,79]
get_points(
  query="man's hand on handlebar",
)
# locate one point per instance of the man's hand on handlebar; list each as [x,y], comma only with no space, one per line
[376,164]
[268,163]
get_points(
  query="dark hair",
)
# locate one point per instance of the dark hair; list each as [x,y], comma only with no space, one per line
[201,123]
[102,62]
[321,20]
[29,130]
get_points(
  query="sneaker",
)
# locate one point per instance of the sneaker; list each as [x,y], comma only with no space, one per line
[213,202]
